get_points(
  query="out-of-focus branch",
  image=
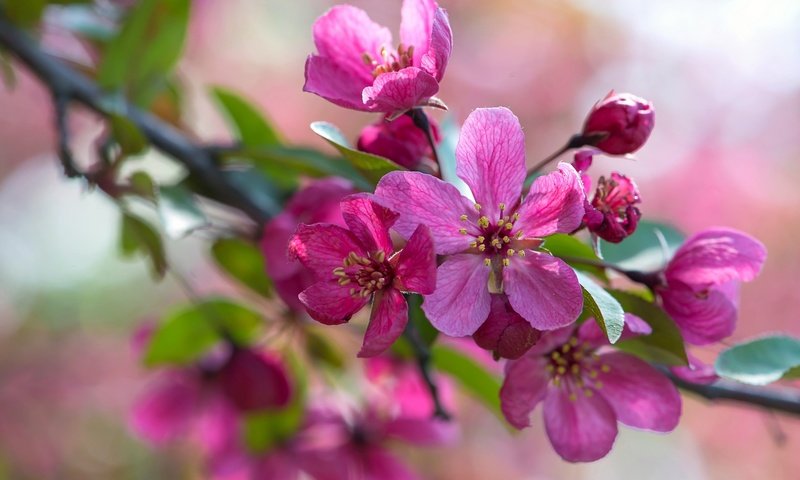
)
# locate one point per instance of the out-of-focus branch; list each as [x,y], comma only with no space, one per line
[423,357]
[67,85]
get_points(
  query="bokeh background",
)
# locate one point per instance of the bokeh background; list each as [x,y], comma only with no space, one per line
[724,76]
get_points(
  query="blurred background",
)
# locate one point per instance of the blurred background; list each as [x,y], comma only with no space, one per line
[724,76]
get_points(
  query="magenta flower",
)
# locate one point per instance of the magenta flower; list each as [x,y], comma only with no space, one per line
[492,244]
[400,141]
[612,214]
[358,68]
[317,202]
[354,265]
[621,122]
[505,333]
[701,282]
[586,388]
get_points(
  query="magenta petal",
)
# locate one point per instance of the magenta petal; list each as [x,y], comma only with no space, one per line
[490,158]
[330,303]
[424,199]
[581,429]
[378,463]
[330,81]
[555,204]
[525,385]
[717,256]
[461,301]
[422,431]
[369,222]
[254,381]
[640,395]
[505,332]
[703,317]
[544,290]
[323,247]
[435,59]
[399,91]
[166,409]
[696,372]
[552,339]
[386,323]
[416,266]
[591,333]
[427,28]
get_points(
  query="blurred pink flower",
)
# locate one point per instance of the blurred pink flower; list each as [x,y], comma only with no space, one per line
[586,388]
[400,141]
[696,372]
[622,123]
[356,67]
[353,265]
[317,202]
[494,241]
[700,290]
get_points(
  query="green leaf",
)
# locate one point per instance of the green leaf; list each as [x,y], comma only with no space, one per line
[143,185]
[253,130]
[244,262]
[178,211]
[760,361]
[139,237]
[24,13]
[665,344]
[427,332]
[470,374]
[146,49]
[130,139]
[321,349]
[606,310]
[372,166]
[644,249]
[9,76]
[570,249]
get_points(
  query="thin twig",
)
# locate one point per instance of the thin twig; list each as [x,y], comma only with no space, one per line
[423,357]
[421,121]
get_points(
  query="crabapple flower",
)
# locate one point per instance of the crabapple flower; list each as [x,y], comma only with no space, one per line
[400,141]
[356,66]
[620,122]
[492,242]
[505,333]
[316,202]
[355,264]
[701,282]
[612,214]
[586,388]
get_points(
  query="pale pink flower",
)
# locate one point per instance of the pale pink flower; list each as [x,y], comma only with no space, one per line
[621,123]
[493,242]
[400,141]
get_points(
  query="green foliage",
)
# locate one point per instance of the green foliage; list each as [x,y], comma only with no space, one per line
[24,13]
[761,361]
[371,166]
[321,349]
[569,248]
[139,237]
[252,128]
[470,374]
[427,332]
[605,309]
[143,185]
[130,139]
[665,344]
[178,211]
[9,76]
[244,262]
[644,249]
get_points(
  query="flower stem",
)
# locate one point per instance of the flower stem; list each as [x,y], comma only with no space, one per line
[421,121]
[576,141]
[423,357]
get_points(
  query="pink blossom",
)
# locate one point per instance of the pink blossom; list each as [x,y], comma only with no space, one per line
[586,388]
[400,141]
[493,244]
[356,66]
[317,202]
[696,372]
[355,264]
[701,282]
[612,214]
[622,123]
[505,333]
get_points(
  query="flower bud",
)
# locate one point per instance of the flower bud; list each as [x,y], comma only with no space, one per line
[254,381]
[621,123]
[505,332]
[399,140]
[612,215]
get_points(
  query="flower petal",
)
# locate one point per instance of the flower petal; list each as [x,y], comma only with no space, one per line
[423,199]
[386,323]
[328,80]
[461,301]
[427,28]
[703,317]
[640,395]
[554,204]
[717,256]
[255,381]
[422,431]
[544,290]
[369,222]
[399,91]
[505,332]
[166,410]
[581,430]
[696,372]
[323,247]
[524,386]
[416,266]
[330,303]
[490,158]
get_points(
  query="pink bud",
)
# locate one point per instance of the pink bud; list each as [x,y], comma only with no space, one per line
[399,140]
[505,332]
[621,122]
[612,215]
[254,381]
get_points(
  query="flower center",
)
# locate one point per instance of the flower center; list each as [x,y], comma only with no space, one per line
[496,238]
[575,364]
[615,195]
[367,274]
[390,61]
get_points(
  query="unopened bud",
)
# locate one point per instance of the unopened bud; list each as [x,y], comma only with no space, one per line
[621,123]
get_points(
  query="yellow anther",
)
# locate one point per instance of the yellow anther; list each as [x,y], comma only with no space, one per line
[487,262]
[521,253]
[588,393]
[598,385]
[566,348]
[474,244]
[506,262]
[509,226]
[573,397]
[344,281]
[483,221]
[478,207]
[549,367]
[496,243]
[575,368]
[510,252]
[578,355]
[482,247]
[502,206]
[462,231]
[380,256]
[605,368]
[573,341]
[481,239]
[519,235]
[561,370]
[515,217]
[555,354]
[592,373]
[463,218]
[506,239]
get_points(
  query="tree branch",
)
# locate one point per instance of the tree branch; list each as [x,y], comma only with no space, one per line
[67,85]
[423,356]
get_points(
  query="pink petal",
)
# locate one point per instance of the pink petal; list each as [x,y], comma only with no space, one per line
[426,27]
[394,92]
[422,431]
[640,395]
[275,465]
[524,386]
[255,381]
[330,303]
[330,81]
[696,372]
[544,290]
[165,411]
[323,247]
[369,222]
[461,301]
[416,266]
[703,317]
[581,430]
[386,323]
[380,464]
[591,332]
[552,339]
[555,204]
[490,158]
[424,199]
[505,332]
[717,256]
[435,59]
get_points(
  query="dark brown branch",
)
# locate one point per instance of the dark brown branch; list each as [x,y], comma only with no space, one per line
[423,357]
